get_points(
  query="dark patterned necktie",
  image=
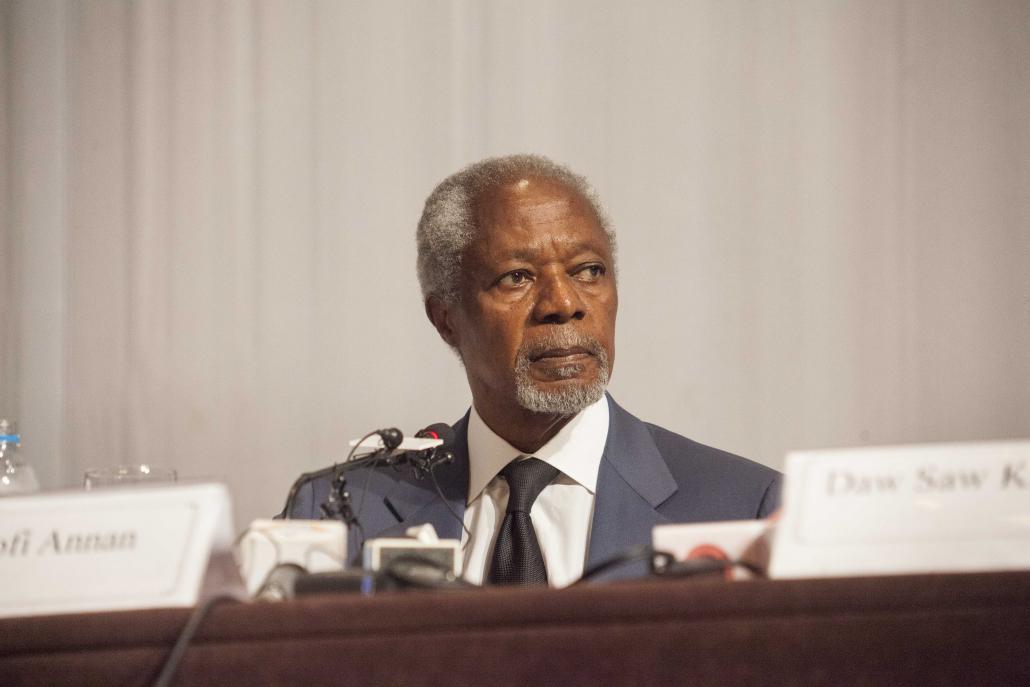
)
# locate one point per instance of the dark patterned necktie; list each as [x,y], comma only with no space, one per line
[517,558]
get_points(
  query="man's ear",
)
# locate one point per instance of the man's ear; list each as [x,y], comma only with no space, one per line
[440,314]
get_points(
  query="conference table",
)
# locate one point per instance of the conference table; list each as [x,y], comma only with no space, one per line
[954,629]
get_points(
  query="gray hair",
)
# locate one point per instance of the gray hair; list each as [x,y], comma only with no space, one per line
[447,225]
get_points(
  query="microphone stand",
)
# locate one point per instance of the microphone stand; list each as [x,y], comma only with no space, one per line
[338,505]
[391,439]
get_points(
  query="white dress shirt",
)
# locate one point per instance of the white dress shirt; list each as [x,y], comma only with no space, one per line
[561,514]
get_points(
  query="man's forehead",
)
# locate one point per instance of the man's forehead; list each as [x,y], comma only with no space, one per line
[531,200]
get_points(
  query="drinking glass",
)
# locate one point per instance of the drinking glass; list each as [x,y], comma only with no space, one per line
[127,475]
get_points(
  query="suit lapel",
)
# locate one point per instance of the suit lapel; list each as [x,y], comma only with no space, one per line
[632,482]
[417,502]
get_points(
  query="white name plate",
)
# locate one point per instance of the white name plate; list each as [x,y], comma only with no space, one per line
[905,509]
[109,549]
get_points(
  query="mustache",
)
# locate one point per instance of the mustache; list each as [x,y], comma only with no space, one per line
[562,338]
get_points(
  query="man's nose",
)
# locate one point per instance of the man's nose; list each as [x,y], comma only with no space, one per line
[558,300]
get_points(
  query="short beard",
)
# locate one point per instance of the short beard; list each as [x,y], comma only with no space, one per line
[568,399]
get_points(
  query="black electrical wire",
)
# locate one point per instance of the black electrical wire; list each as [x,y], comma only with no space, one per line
[419,572]
[439,491]
[361,503]
[306,477]
[174,658]
[347,460]
[664,564]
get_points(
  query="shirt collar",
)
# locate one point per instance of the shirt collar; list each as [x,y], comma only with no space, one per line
[576,449]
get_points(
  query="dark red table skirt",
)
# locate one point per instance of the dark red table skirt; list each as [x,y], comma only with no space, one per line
[914,630]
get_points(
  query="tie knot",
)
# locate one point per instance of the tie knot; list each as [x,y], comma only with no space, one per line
[526,479]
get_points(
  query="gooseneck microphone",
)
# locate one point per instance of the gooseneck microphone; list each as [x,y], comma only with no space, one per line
[423,461]
[391,437]
[438,430]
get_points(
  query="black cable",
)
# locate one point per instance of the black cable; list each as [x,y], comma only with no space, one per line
[361,534]
[355,448]
[704,565]
[361,503]
[306,477]
[174,658]
[419,572]
[374,463]
[692,567]
[664,564]
[341,504]
[439,491]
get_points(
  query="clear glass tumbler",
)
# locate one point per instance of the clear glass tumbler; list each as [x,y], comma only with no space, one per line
[128,475]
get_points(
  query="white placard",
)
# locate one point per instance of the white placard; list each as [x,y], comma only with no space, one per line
[905,509]
[109,549]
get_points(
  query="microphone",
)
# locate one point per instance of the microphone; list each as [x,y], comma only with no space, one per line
[422,460]
[397,450]
[445,433]
[391,436]
[438,430]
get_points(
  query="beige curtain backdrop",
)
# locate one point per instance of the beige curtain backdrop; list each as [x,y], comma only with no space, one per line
[208,212]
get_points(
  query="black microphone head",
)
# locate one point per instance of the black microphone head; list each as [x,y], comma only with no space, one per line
[391,437]
[442,456]
[438,430]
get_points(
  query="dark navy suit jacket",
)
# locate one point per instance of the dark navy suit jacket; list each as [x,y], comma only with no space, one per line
[648,476]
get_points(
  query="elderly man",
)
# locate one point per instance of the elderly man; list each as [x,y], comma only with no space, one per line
[516,261]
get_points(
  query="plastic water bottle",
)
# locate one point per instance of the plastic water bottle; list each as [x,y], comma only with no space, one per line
[15,476]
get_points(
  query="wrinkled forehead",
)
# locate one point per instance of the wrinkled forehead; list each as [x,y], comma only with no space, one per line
[529,200]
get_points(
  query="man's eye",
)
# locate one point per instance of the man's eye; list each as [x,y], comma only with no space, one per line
[591,272]
[514,278]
